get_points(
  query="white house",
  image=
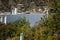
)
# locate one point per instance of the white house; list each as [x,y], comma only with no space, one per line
[9,17]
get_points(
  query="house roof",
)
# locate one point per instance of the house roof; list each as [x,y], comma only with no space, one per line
[32,18]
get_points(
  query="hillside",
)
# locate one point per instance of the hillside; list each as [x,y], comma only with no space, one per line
[27,4]
[24,5]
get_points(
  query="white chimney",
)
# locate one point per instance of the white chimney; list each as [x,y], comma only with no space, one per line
[15,11]
[5,19]
[12,11]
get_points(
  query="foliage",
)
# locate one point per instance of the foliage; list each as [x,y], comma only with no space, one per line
[54,5]
[47,29]
[28,4]
[12,29]
[53,25]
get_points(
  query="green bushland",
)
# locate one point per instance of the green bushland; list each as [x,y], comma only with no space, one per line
[13,29]
[46,29]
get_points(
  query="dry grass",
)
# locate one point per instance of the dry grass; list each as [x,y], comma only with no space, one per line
[14,38]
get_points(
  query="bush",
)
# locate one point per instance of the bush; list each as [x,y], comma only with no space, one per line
[47,29]
[12,29]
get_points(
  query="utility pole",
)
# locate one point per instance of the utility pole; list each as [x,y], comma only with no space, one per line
[21,36]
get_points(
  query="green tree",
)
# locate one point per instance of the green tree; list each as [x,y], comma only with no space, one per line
[14,29]
[55,4]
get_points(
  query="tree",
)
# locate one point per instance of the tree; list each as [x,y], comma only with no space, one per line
[13,29]
[54,4]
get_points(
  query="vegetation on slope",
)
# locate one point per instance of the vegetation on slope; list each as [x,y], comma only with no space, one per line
[47,29]
[13,29]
